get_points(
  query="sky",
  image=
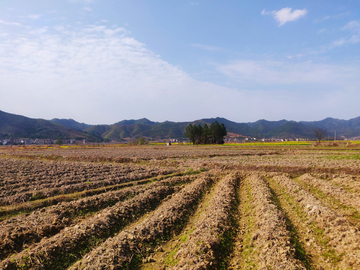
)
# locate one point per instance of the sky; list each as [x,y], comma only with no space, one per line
[102,61]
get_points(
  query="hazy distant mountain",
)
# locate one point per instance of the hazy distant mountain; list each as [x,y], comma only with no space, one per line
[142,121]
[265,126]
[70,123]
[291,129]
[261,128]
[347,128]
[238,128]
[119,132]
[132,128]
[17,126]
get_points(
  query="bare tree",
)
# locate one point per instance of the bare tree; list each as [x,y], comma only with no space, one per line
[319,133]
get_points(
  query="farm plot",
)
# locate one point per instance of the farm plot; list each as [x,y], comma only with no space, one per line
[264,240]
[26,180]
[187,208]
[338,198]
[328,237]
[132,153]
[60,250]
[20,232]
[127,248]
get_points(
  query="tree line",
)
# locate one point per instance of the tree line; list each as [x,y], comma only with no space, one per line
[213,134]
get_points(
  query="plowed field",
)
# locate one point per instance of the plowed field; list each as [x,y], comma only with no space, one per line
[180,207]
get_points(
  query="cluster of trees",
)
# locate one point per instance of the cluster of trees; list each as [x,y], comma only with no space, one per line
[139,141]
[213,134]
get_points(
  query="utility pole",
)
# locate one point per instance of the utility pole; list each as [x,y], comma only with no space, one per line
[334,135]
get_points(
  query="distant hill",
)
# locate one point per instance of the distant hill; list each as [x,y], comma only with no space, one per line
[17,126]
[347,128]
[291,129]
[155,131]
[133,128]
[238,128]
[261,128]
[265,126]
[142,121]
[70,123]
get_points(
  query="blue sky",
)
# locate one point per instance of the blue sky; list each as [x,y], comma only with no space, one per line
[104,61]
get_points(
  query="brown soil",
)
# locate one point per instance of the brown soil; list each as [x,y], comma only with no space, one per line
[157,207]
[130,246]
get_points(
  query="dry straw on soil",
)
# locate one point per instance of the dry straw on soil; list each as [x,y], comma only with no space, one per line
[129,246]
[335,237]
[50,252]
[126,207]
[204,246]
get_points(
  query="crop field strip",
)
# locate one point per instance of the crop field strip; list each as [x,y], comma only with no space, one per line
[163,256]
[16,209]
[127,249]
[343,201]
[20,232]
[83,235]
[131,154]
[256,209]
[205,241]
[24,180]
[29,206]
[329,238]
[264,240]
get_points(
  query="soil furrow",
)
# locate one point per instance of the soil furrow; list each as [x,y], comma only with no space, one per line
[326,187]
[26,180]
[64,248]
[20,232]
[267,243]
[28,207]
[209,243]
[329,238]
[337,198]
[243,249]
[163,256]
[348,182]
[129,247]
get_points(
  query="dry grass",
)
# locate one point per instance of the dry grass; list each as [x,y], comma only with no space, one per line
[78,200]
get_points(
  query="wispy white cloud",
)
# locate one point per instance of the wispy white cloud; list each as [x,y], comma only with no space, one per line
[32,16]
[207,47]
[328,17]
[353,28]
[39,31]
[272,73]
[59,28]
[194,3]
[285,15]
[87,9]
[100,73]
[322,19]
[353,25]
[104,75]
[10,23]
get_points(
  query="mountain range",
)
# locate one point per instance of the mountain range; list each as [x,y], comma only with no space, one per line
[16,126]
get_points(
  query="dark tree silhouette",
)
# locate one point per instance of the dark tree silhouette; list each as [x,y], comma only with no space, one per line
[319,133]
[198,134]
